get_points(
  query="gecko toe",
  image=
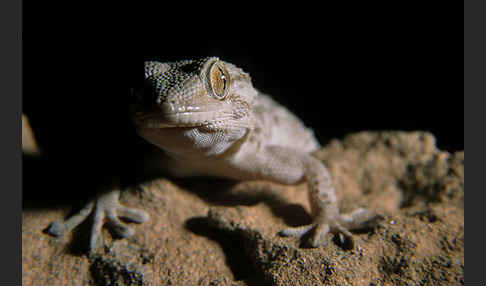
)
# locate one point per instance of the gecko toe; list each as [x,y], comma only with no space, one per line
[56,228]
[132,214]
[296,231]
[318,236]
[315,235]
[343,237]
[121,229]
[360,219]
[312,235]
[95,242]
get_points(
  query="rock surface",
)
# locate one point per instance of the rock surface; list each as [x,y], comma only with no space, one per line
[214,232]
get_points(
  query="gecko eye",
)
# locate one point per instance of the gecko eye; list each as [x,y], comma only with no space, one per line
[219,80]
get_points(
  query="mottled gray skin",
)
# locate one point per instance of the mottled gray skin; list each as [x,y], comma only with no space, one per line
[237,132]
[209,119]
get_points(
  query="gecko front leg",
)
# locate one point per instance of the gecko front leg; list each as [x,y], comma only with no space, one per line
[105,208]
[325,212]
[289,166]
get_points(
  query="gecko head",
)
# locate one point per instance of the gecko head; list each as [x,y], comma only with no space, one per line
[192,93]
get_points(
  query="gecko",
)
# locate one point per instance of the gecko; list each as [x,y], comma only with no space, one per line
[209,120]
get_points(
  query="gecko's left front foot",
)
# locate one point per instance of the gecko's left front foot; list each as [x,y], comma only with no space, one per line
[316,233]
[105,208]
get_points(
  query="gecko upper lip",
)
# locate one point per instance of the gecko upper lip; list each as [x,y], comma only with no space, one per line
[173,119]
[180,118]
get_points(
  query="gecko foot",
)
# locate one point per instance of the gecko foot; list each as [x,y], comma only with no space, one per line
[105,208]
[315,234]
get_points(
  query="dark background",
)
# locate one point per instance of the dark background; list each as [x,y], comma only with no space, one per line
[341,67]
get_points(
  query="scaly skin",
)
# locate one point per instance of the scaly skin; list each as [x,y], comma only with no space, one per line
[209,119]
[206,115]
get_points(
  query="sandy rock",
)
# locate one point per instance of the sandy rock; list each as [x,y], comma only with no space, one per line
[215,232]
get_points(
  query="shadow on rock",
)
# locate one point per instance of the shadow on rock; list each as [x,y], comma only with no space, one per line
[233,246]
[222,192]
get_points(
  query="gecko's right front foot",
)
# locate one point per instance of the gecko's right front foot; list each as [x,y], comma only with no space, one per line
[340,225]
[105,208]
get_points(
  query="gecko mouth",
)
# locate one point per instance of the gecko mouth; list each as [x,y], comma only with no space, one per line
[186,115]
[173,119]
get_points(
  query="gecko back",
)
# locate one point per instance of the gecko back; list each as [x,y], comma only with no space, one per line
[276,125]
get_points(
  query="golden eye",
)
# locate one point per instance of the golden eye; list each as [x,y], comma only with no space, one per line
[219,79]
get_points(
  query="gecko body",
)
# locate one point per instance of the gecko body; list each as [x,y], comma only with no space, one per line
[208,118]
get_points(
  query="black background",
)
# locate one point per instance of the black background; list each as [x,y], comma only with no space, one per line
[341,67]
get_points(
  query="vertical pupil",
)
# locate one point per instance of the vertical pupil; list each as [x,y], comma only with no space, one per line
[223,78]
